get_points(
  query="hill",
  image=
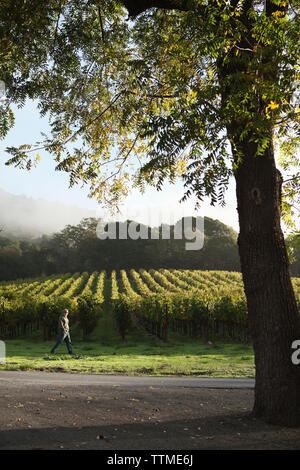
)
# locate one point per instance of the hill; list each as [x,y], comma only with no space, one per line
[78,248]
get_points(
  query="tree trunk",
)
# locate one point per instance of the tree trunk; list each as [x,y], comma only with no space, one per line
[272,309]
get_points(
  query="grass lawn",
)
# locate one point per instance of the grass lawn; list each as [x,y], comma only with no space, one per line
[141,354]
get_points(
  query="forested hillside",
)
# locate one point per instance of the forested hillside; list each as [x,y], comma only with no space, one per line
[77,248]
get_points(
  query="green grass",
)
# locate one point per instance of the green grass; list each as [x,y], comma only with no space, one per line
[141,354]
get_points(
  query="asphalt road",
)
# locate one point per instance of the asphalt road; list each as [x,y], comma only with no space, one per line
[59,411]
[115,380]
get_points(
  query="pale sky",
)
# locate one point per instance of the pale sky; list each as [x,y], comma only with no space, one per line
[44,182]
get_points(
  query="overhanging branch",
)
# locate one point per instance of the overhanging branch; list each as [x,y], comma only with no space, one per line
[135,8]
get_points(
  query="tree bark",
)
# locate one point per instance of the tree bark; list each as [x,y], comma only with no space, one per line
[273,314]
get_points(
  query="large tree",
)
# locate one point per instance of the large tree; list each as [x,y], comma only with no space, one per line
[200,90]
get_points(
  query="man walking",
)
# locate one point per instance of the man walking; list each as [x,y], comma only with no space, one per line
[64,333]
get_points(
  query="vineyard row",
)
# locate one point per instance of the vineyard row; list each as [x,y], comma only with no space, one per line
[198,303]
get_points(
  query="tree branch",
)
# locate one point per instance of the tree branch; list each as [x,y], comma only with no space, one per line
[292,179]
[101,21]
[135,8]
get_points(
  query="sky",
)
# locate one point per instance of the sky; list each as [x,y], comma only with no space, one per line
[43,182]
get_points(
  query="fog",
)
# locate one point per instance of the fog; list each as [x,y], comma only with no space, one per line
[25,217]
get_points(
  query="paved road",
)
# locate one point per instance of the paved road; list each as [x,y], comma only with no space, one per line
[115,380]
[52,410]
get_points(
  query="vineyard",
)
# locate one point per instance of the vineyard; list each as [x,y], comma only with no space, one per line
[204,304]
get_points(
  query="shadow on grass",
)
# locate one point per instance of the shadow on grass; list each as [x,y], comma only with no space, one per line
[135,344]
[103,352]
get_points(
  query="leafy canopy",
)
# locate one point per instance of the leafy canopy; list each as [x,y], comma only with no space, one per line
[168,94]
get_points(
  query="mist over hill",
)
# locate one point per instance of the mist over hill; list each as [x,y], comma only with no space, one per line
[39,237]
[26,218]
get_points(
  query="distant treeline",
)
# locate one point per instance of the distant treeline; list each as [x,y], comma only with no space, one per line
[77,248]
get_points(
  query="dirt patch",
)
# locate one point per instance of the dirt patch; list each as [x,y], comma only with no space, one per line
[102,417]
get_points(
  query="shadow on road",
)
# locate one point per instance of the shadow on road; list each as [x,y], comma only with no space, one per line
[232,431]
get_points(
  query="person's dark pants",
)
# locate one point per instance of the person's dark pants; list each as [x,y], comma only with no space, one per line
[63,337]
